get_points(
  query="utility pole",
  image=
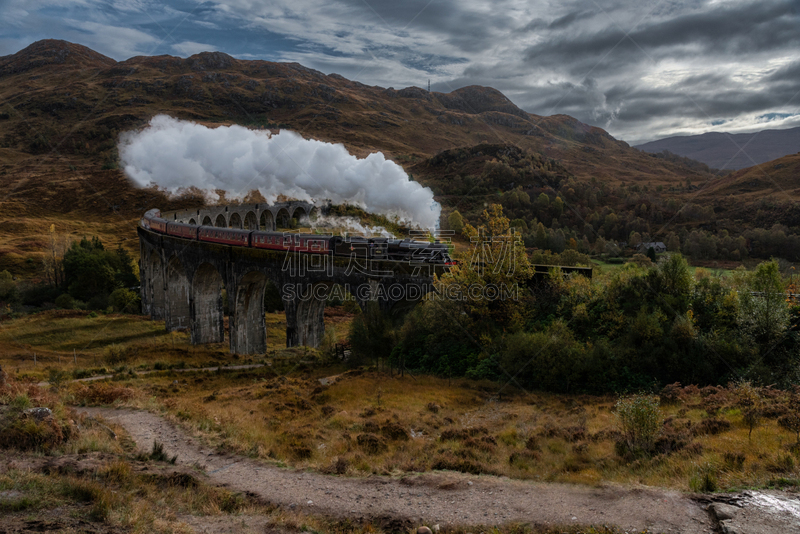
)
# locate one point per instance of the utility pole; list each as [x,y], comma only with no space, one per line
[429,85]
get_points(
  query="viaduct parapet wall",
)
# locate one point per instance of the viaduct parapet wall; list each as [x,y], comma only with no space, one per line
[262,216]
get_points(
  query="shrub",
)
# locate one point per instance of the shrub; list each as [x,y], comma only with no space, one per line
[158,454]
[371,444]
[704,479]
[57,377]
[65,301]
[640,420]
[29,432]
[671,394]
[98,302]
[116,354]
[394,431]
[711,426]
[748,398]
[101,394]
[791,420]
[124,300]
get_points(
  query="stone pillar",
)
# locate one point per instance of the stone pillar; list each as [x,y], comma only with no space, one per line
[144,278]
[292,337]
[248,330]
[156,286]
[178,311]
[305,318]
[206,311]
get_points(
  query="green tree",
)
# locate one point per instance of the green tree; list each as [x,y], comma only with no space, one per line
[456,222]
[541,238]
[91,271]
[763,309]
[674,283]
[542,201]
[673,242]
[370,335]
[557,208]
[520,225]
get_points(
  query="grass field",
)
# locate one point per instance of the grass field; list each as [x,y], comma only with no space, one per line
[606,267]
[81,343]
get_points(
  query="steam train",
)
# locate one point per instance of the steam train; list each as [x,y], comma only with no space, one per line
[373,248]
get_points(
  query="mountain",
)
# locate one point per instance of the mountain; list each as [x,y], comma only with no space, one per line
[64,101]
[730,151]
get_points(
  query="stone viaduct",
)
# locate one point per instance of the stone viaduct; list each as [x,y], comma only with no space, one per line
[182,280]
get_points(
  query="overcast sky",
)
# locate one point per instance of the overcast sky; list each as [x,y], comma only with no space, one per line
[641,69]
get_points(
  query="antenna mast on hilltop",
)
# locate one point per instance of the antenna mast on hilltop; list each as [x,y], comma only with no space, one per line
[429,86]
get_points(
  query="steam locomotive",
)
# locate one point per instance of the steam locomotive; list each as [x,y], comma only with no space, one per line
[373,248]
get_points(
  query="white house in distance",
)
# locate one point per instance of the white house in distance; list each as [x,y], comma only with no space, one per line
[658,246]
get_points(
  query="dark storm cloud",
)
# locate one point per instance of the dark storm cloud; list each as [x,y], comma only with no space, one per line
[789,73]
[745,29]
[640,69]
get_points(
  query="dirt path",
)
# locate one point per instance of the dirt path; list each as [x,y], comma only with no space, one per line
[187,370]
[434,498]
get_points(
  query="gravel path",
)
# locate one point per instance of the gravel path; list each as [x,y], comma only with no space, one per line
[432,498]
[186,370]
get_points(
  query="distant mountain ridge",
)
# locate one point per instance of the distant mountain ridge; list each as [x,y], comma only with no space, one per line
[721,150]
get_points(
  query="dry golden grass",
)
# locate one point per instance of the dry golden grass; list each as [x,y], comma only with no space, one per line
[371,423]
[79,345]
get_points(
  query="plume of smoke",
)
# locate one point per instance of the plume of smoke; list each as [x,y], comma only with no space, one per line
[351,224]
[176,154]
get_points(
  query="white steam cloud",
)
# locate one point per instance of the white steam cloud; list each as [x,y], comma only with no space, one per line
[350,224]
[176,154]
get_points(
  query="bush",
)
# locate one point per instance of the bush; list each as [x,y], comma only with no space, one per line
[125,300]
[116,354]
[641,421]
[57,377]
[748,399]
[8,288]
[98,303]
[371,444]
[65,302]
[39,295]
[704,479]
[28,432]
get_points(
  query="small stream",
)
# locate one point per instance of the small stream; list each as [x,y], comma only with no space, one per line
[780,504]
